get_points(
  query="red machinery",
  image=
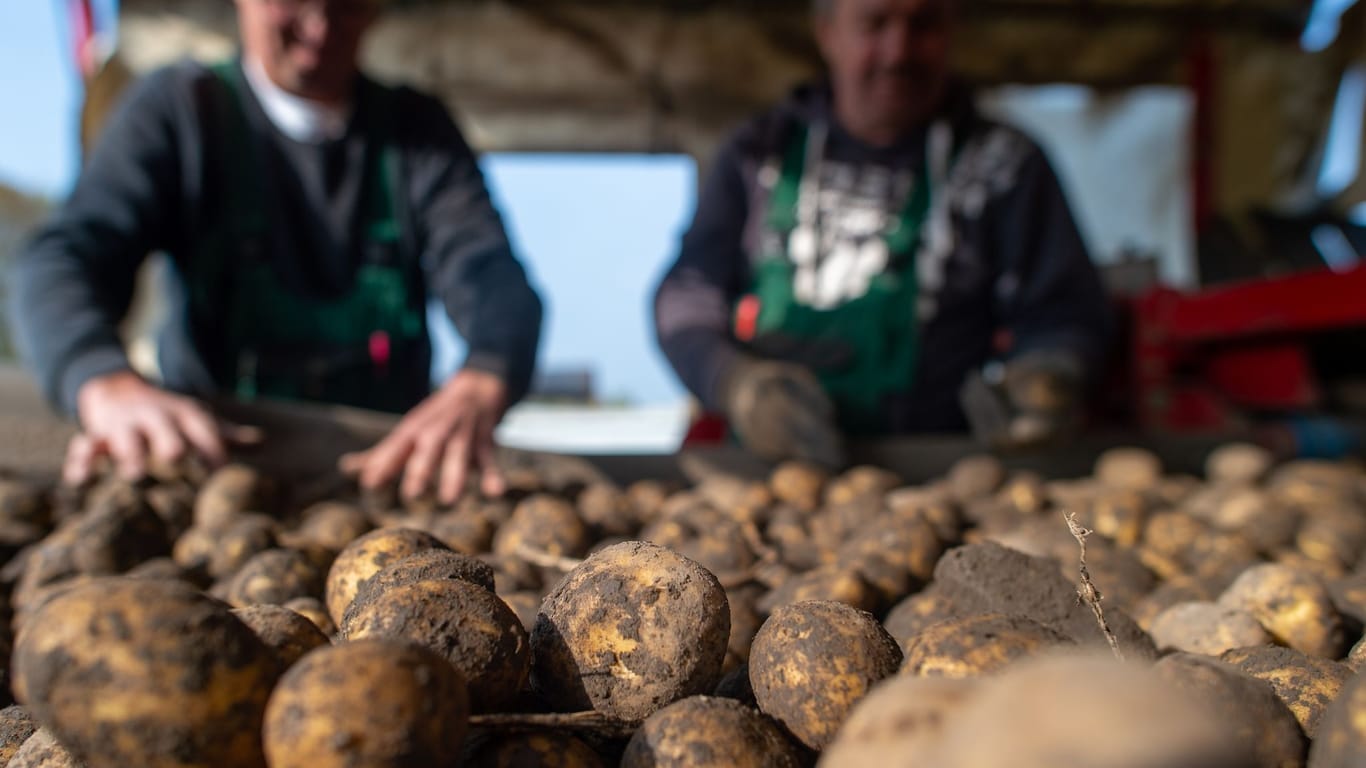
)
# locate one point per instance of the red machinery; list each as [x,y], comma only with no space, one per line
[1204,361]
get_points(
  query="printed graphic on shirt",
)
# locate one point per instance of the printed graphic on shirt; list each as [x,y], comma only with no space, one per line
[837,249]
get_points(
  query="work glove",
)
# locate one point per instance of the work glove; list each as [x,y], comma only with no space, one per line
[1029,401]
[780,411]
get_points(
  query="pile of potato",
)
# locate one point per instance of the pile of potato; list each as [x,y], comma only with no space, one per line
[843,620]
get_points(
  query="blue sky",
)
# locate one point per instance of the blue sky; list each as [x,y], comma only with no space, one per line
[594,231]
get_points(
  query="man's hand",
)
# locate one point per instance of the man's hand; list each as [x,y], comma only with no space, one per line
[132,421]
[780,411]
[441,440]
[1029,401]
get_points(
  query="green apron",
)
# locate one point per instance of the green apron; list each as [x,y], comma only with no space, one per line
[864,349]
[366,347]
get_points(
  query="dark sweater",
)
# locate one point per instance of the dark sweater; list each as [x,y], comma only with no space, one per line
[150,186]
[1013,260]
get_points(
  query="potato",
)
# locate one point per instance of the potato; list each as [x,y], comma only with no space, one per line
[1132,468]
[1341,741]
[858,482]
[632,629]
[1118,515]
[1237,463]
[1335,536]
[917,612]
[709,732]
[647,498]
[811,662]
[230,491]
[1310,483]
[1293,606]
[1206,628]
[711,538]
[933,504]
[1171,534]
[1307,684]
[515,750]
[894,554]
[541,523]
[239,541]
[1356,658]
[107,539]
[974,477]
[1218,558]
[745,620]
[194,548]
[275,577]
[1247,707]
[468,534]
[466,624]
[313,609]
[132,672]
[333,524]
[1250,512]
[174,504]
[989,578]
[1349,596]
[42,750]
[372,703]
[1326,571]
[831,583]
[608,510]
[1085,711]
[367,556]
[285,632]
[977,645]
[899,722]
[735,498]
[165,569]
[798,483]
[1024,492]
[427,565]
[16,725]
[789,533]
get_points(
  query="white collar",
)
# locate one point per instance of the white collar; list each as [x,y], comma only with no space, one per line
[298,118]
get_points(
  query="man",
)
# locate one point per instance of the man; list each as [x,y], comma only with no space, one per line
[309,212]
[863,254]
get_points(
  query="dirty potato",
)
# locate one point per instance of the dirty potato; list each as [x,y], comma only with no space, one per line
[1087,710]
[313,609]
[630,630]
[275,577]
[367,556]
[42,750]
[899,722]
[465,623]
[285,632]
[230,491]
[799,483]
[1247,707]
[1132,468]
[373,703]
[1341,741]
[978,645]
[1206,628]
[16,725]
[426,566]
[1293,606]
[709,732]
[333,524]
[811,662]
[1307,684]
[133,672]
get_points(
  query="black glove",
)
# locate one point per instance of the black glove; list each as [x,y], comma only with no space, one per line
[780,411]
[1028,401]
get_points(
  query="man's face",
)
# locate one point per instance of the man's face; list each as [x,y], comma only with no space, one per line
[307,47]
[888,62]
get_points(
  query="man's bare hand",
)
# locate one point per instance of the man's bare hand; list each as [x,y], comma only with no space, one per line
[134,422]
[440,442]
